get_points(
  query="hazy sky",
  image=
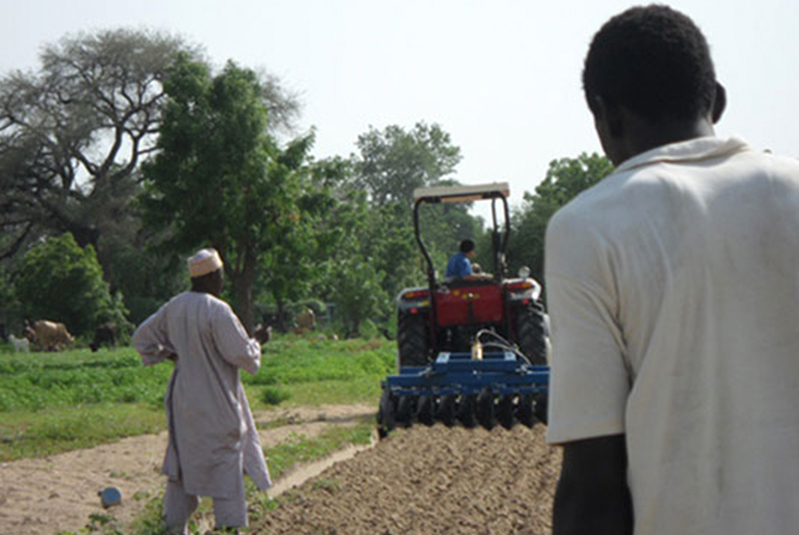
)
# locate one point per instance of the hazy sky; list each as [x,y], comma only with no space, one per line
[502,77]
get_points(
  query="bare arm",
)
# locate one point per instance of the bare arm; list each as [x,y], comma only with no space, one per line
[592,495]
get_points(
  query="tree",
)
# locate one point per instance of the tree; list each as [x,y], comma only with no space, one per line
[565,179]
[393,163]
[295,265]
[59,281]
[73,134]
[219,177]
[357,291]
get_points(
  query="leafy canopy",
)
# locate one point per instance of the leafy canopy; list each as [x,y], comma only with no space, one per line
[59,281]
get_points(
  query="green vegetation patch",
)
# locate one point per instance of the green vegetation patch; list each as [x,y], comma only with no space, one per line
[55,402]
[300,449]
[42,381]
[26,434]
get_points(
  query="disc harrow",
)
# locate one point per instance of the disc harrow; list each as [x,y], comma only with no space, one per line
[498,389]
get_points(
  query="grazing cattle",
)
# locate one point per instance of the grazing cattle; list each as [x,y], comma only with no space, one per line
[48,335]
[105,334]
[263,333]
[306,321]
[20,344]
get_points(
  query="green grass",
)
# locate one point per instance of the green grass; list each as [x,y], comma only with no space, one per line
[54,402]
[37,434]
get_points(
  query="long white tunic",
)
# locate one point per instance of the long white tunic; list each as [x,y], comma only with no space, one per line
[212,436]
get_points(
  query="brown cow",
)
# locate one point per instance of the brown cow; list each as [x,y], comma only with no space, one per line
[48,335]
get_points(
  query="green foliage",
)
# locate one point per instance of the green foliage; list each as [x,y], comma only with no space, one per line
[59,281]
[9,306]
[394,162]
[357,293]
[271,395]
[43,381]
[215,149]
[300,449]
[77,399]
[25,433]
[296,361]
[74,131]
[565,179]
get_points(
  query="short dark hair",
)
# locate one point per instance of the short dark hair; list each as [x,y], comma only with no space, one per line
[654,61]
[467,245]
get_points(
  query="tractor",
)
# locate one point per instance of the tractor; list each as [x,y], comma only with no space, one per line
[474,348]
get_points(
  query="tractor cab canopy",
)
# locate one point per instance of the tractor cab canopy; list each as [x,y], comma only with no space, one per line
[461,194]
[494,192]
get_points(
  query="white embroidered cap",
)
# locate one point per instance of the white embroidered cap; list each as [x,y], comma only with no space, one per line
[204,262]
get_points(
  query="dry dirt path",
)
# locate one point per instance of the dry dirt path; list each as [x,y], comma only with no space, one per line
[58,493]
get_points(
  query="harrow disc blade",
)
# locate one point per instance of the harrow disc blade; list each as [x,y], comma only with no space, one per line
[524,411]
[424,409]
[406,406]
[484,410]
[542,408]
[466,410]
[386,413]
[446,410]
[505,410]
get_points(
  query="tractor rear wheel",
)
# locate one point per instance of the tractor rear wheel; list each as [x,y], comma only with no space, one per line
[412,339]
[532,334]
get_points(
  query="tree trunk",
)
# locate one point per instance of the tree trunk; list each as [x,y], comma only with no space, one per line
[281,315]
[242,289]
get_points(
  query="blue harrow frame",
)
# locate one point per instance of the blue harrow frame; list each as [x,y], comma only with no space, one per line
[499,388]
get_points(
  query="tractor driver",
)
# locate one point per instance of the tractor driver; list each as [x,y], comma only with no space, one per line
[460,264]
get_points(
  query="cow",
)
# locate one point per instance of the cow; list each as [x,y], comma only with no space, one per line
[48,335]
[105,334]
[306,321]
[20,344]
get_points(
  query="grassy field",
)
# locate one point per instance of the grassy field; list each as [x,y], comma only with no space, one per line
[56,402]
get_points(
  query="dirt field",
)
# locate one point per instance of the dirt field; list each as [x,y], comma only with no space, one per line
[430,480]
[418,481]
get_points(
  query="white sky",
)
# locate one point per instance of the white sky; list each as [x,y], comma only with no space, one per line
[502,77]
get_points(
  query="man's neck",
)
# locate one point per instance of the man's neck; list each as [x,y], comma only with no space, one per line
[644,135]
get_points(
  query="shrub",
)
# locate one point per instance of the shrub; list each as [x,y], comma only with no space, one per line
[274,396]
[59,281]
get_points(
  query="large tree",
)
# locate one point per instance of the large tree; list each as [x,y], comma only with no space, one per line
[393,162]
[73,133]
[565,179]
[220,178]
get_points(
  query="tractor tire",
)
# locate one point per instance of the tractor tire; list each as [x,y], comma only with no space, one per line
[412,339]
[532,338]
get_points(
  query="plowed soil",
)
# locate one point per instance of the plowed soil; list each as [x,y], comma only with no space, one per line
[428,480]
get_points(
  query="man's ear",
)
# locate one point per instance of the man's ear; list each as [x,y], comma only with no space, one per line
[719,103]
[610,115]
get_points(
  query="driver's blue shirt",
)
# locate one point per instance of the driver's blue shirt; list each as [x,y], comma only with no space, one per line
[458,266]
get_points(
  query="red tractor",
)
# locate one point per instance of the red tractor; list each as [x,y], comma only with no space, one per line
[457,315]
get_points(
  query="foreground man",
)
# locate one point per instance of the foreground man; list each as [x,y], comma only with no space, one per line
[212,436]
[672,288]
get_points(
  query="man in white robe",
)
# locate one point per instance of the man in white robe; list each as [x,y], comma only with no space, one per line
[212,435]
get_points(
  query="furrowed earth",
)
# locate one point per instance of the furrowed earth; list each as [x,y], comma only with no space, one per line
[420,480]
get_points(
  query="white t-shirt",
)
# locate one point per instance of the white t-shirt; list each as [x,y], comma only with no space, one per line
[673,288]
